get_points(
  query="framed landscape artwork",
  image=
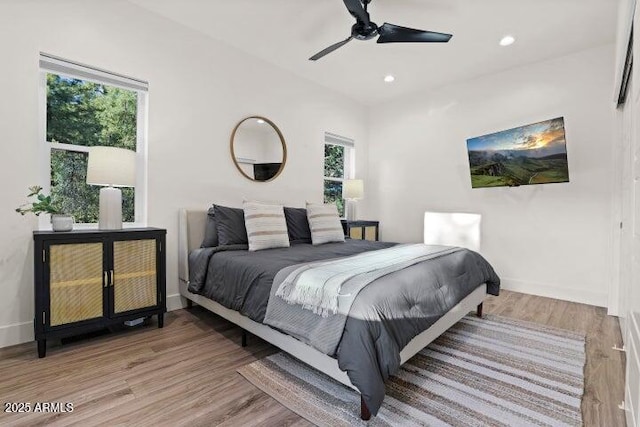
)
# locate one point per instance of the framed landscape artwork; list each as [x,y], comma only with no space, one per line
[531,154]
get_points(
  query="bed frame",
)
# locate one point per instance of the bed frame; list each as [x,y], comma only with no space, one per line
[192,227]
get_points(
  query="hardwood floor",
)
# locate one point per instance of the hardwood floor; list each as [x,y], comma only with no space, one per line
[185,374]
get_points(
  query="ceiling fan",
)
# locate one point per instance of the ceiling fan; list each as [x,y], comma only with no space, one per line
[364,29]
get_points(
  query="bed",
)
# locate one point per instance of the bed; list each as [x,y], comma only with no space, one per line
[370,348]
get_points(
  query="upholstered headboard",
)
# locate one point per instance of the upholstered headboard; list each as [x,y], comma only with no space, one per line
[191,232]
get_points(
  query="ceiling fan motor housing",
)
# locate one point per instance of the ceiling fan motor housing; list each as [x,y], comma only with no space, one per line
[361,31]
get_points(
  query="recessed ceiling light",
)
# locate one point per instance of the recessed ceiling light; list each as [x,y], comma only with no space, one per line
[389,78]
[507,40]
[260,121]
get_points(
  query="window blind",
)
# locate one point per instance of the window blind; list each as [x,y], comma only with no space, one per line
[332,138]
[57,65]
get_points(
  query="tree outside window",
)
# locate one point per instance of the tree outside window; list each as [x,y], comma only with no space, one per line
[336,170]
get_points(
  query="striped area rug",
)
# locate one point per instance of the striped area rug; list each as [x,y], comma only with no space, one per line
[482,372]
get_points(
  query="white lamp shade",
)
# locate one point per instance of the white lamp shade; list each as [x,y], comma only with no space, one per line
[353,189]
[111,166]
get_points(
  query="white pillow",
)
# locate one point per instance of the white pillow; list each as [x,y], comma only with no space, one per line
[266,226]
[324,223]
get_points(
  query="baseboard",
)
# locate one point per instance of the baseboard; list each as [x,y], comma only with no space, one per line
[19,333]
[16,333]
[598,299]
[174,302]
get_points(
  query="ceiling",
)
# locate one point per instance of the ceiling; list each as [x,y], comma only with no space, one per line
[287,32]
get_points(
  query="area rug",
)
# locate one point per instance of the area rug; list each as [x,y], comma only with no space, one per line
[482,372]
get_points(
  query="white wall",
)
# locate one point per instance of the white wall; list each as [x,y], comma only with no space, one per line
[199,89]
[552,240]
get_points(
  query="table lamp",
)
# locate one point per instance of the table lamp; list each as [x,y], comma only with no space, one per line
[111,167]
[352,190]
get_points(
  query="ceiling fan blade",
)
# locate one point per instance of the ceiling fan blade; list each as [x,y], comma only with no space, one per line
[390,33]
[357,10]
[330,49]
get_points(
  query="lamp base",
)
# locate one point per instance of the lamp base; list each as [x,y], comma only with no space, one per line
[110,209]
[351,210]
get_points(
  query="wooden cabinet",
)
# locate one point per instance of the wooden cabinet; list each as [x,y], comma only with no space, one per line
[361,229]
[91,279]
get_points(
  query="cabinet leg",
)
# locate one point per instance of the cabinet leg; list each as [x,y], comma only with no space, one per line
[42,348]
[160,320]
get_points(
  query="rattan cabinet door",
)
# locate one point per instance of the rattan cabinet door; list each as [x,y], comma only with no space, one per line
[370,233]
[75,282]
[135,275]
[355,233]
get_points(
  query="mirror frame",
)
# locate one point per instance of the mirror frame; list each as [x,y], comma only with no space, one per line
[282,141]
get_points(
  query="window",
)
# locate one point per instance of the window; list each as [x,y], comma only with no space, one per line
[338,166]
[84,107]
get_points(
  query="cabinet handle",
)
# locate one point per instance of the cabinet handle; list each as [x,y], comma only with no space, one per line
[106,279]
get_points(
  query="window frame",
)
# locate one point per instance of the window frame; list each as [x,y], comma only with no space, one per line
[348,166]
[90,74]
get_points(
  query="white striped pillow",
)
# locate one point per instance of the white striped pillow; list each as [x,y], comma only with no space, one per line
[266,226]
[324,223]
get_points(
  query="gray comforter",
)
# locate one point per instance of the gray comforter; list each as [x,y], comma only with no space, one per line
[380,322]
[323,329]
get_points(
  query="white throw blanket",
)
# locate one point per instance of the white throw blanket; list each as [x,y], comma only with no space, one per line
[317,286]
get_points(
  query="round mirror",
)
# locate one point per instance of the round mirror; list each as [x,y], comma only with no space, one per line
[258,149]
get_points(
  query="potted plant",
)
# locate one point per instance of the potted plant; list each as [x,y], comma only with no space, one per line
[43,204]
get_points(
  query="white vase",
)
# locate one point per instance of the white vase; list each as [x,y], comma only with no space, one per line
[62,222]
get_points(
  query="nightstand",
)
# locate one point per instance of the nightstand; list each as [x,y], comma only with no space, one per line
[91,279]
[361,229]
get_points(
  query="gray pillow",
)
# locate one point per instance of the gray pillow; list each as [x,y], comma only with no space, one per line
[211,231]
[297,225]
[230,226]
